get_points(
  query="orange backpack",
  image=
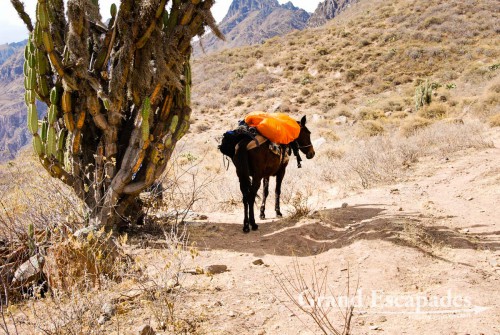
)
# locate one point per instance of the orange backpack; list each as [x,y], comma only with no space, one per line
[277,127]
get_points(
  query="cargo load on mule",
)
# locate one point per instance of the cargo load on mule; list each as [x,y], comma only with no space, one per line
[278,128]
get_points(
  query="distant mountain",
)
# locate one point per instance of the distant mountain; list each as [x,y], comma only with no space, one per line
[7,50]
[253,21]
[13,132]
[327,10]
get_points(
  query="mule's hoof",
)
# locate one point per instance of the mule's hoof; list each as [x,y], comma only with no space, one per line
[279,215]
[246,229]
[255,226]
[262,216]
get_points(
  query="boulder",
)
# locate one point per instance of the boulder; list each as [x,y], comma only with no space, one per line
[30,271]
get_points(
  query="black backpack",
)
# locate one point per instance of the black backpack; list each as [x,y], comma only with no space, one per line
[229,141]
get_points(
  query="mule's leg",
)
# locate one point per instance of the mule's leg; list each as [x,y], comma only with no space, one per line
[244,187]
[240,161]
[265,193]
[279,180]
[251,202]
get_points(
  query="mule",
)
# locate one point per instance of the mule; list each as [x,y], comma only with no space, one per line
[260,163]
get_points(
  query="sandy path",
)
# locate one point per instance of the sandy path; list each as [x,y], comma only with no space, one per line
[436,235]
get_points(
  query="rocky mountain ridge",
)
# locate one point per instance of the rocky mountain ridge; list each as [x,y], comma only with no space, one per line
[327,10]
[250,22]
[13,133]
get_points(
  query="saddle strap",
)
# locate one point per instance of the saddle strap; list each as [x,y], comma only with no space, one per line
[258,141]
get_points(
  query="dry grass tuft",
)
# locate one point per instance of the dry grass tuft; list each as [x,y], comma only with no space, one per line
[77,262]
[411,125]
[495,120]
[371,128]
[435,110]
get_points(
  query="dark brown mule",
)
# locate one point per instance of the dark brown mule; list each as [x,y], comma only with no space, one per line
[261,163]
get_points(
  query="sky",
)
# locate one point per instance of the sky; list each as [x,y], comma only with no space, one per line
[13,29]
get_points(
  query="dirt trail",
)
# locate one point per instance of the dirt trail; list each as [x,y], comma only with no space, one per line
[433,239]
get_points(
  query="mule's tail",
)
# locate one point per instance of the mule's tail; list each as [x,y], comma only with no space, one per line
[240,160]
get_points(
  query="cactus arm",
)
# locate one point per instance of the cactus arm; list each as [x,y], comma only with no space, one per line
[187,15]
[172,18]
[147,34]
[19,7]
[55,60]
[103,55]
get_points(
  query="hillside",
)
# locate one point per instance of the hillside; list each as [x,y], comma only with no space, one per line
[249,22]
[13,133]
[368,60]
[7,50]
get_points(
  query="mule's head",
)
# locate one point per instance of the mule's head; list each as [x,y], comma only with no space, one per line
[304,139]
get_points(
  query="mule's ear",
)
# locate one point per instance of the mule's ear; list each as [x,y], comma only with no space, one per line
[303,121]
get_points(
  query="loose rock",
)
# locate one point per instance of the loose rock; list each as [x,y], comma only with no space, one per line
[258,262]
[108,309]
[341,120]
[29,271]
[103,319]
[344,205]
[214,269]
[146,330]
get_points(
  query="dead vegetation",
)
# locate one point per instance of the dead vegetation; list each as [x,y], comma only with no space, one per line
[309,291]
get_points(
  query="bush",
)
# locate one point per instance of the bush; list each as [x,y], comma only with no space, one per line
[495,120]
[413,124]
[371,114]
[434,111]
[372,128]
[82,261]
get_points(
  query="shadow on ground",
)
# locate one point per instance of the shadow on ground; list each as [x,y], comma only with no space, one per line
[336,228]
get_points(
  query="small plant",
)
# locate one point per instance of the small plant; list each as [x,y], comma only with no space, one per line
[310,293]
[413,124]
[495,120]
[434,111]
[372,128]
[300,206]
[306,80]
[83,261]
[494,67]
[371,114]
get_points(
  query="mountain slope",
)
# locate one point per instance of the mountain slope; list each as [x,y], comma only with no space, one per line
[254,21]
[365,62]
[327,10]
[7,50]
[13,133]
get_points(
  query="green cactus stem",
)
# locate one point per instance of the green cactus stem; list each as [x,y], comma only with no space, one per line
[146,109]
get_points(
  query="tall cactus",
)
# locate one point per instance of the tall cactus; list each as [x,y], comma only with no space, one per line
[118,96]
[423,95]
